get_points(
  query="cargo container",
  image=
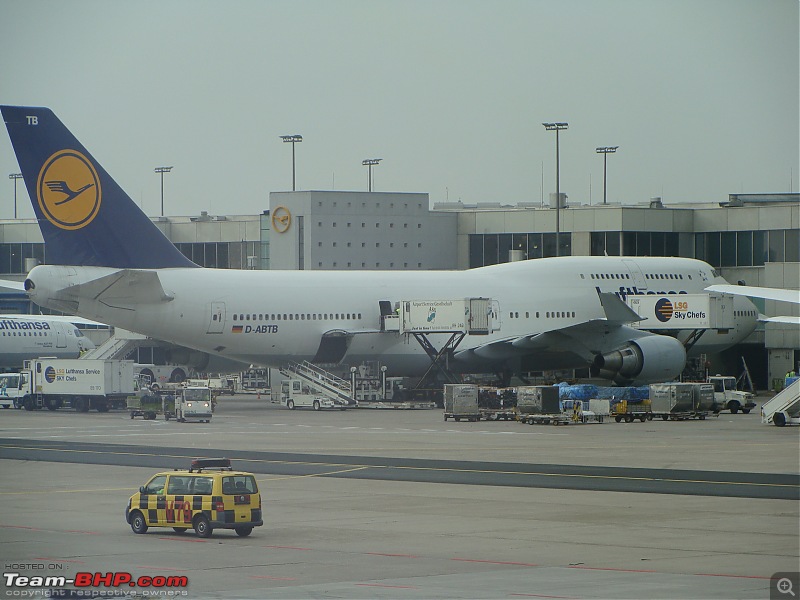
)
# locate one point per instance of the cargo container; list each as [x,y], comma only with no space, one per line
[540,404]
[679,401]
[461,402]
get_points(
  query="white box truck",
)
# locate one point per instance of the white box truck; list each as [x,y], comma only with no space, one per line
[80,383]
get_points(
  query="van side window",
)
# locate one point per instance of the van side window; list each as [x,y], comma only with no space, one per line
[202,486]
[178,485]
[156,485]
[239,484]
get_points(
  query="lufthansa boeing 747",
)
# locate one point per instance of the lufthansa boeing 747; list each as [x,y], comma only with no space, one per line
[110,263]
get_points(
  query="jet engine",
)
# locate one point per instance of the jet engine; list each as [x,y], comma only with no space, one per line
[650,359]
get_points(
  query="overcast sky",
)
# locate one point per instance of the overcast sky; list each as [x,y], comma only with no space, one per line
[701,96]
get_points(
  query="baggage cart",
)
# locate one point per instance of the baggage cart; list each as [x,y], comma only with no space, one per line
[540,405]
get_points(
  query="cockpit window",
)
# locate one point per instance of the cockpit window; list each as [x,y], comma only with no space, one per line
[78,332]
[715,273]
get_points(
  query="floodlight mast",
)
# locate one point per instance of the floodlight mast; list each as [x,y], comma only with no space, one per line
[557,127]
[15,177]
[293,139]
[162,170]
[605,151]
[369,162]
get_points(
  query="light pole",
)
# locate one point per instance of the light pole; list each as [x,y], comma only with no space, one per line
[557,127]
[15,176]
[605,151]
[368,162]
[293,139]
[162,170]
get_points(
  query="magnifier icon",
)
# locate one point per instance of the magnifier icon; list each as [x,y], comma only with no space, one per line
[784,586]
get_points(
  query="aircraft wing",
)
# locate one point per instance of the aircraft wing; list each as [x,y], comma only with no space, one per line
[122,289]
[781,295]
[12,285]
[577,339]
[785,319]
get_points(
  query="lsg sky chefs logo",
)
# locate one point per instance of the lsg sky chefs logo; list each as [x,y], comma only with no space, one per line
[666,309]
[68,190]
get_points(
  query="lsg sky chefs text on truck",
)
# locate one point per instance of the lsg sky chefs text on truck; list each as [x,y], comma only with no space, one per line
[82,384]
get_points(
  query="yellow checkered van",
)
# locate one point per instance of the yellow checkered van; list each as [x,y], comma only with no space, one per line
[209,496]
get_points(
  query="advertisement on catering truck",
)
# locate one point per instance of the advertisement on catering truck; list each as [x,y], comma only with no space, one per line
[430,316]
[683,311]
[80,376]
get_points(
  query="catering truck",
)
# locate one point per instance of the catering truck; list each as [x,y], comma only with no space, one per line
[80,383]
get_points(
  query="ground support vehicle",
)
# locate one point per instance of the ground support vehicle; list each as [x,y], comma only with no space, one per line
[497,404]
[784,408]
[727,397]
[490,414]
[80,383]
[296,394]
[461,402]
[587,411]
[540,405]
[150,405]
[193,404]
[209,495]
[628,411]
[10,391]
[681,401]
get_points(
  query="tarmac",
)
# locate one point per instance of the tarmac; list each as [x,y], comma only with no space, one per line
[400,504]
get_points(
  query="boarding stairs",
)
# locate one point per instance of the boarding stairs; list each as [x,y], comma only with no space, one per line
[320,379]
[113,348]
[787,402]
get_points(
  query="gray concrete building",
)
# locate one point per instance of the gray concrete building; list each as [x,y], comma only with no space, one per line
[359,230]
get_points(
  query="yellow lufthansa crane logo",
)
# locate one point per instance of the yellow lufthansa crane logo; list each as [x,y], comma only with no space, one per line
[68,190]
[281,219]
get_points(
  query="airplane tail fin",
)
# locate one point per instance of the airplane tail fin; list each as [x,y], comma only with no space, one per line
[85,216]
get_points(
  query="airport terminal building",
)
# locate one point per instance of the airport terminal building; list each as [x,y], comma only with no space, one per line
[754,238]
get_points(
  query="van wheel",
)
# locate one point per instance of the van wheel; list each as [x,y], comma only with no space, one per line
[138,524]
[746,411]
[316,404]
[243,531]
[202,527]
[734,406]
[290,404]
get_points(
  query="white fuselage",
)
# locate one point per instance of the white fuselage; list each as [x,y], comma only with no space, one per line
[273,317]
[24,338]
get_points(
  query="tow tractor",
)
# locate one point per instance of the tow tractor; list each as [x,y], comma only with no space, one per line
[727,397]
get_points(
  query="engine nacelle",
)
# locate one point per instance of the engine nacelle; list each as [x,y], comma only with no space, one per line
[651,359]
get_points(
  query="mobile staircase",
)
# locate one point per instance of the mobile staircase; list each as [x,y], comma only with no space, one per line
[784,408]
[320,379]
[114,348]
